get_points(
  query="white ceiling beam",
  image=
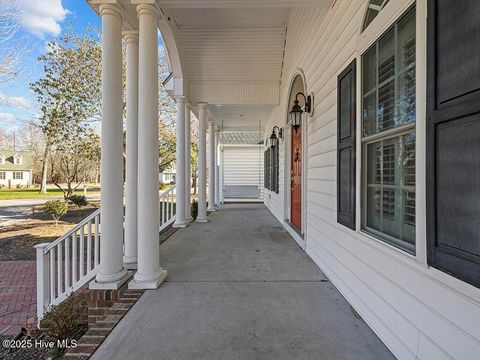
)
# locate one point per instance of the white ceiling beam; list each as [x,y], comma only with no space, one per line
[239,4]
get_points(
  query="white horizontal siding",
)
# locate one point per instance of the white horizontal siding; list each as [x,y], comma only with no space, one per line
[243,165]
[417,311]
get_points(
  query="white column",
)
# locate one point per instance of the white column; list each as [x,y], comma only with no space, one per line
[211,165]
[217,177]
[149,274]
[180,213]
[202,163]
[131,171]
[111,273]
[188,174]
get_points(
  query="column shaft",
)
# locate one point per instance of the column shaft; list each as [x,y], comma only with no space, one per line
[211,166]
[180,213]
[131,188]
[217,177]
[188,174]
[202,163]
[149,274]
[111,273]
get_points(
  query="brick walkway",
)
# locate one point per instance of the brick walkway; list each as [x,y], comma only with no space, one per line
[17,295]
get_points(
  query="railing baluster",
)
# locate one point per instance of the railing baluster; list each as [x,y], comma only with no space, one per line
[89,246]
[82,252]
[67,263]
[59,269]
[172,213]
[97,232]
[162,201]
[52,274]
[74,258]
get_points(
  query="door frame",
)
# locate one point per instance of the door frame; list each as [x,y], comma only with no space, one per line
[301,237]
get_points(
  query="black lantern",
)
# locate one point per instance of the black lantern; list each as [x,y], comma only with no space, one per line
[274,138]
[297,111]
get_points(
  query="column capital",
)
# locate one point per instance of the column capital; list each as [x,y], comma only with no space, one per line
[147,8]
[202,105]
[130,36]
[111,9]
[180,98]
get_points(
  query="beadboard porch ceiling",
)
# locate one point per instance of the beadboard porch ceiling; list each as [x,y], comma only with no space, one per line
[227,52]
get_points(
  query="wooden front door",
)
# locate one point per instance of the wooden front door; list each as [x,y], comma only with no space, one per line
[296,179]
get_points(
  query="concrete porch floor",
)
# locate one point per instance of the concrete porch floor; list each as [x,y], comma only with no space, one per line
[239,287]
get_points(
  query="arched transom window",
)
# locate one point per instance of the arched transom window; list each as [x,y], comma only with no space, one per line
[374,8]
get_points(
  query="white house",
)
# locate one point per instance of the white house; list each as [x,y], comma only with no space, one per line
[371,113]
[15,169]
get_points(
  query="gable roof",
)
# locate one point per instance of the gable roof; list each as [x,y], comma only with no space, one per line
[8,155]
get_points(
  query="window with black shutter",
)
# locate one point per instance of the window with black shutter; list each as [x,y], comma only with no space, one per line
[453,138]
[276,168]
[267,166]
[346,146]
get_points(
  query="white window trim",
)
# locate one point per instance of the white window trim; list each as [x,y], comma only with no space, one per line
[392,12]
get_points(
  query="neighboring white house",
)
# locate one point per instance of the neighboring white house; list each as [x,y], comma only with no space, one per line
[15,169]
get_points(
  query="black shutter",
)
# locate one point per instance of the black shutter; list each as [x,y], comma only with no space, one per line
[276,167]
[453,138]
[267,169]
[346,125]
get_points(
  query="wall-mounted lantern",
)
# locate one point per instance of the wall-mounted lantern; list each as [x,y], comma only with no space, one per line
[297,111]
[274,138]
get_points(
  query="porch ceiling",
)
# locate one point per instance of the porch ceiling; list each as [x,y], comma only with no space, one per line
[227,52]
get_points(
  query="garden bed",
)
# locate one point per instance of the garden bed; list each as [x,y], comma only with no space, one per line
[17,241]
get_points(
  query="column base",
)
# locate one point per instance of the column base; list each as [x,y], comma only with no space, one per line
[180,225]
[149,284]
[130,263]
[113,285]
[189,219]
[212,209]
[201,220]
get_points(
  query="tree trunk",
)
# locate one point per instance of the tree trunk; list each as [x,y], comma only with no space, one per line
[43,185]
[194,185]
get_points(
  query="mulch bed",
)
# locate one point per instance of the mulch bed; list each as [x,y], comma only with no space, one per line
[17,241]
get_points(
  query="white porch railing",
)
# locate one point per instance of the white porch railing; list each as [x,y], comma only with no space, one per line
[71,261]
[68,263]
[167,208]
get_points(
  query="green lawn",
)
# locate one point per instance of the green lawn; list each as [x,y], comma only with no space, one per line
[6,194]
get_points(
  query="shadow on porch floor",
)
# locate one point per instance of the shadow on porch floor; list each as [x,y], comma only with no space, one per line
[239,287]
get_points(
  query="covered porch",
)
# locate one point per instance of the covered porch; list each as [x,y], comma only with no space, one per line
[239,287]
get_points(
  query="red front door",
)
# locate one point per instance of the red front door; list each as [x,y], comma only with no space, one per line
[296,179]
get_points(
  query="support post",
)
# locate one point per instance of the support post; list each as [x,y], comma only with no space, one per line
[211,165]
[188,173]
[111,272]
[217,177]
[202,163]
[149,274]
[180,213]
[131,183]
[43,284]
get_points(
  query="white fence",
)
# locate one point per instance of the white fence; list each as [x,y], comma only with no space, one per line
[71,261]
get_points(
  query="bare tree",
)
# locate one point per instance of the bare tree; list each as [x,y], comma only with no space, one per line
[10,55]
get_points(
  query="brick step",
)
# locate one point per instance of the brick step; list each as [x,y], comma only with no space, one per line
[91,340]
[98,331]
[83,349]
[76,356]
